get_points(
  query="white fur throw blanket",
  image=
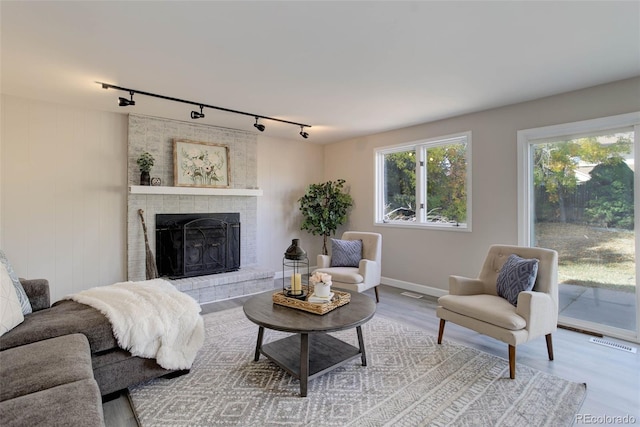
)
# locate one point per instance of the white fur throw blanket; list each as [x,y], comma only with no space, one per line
[150,319]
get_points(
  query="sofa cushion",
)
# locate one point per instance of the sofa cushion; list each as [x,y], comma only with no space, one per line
[44,364]
[486,308]
[25,305]
[343,274]
[516,275]
[38,292]
[65,317]
[118,369]
[346,253]
[73,404]
[10,311]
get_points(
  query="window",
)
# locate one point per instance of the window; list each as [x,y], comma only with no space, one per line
[425,183]
[578,194]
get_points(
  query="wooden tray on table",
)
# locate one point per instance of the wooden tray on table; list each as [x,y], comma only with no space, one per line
[340,298]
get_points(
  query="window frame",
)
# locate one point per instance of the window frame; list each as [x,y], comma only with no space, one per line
[420,147]
[527,138]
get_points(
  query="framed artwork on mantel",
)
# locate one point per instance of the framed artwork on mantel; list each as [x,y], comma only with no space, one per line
[200,164]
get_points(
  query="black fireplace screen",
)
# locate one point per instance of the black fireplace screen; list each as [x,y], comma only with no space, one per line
[197,244]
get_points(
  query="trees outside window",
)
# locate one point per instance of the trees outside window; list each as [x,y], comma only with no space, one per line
[425,183]
[585,180]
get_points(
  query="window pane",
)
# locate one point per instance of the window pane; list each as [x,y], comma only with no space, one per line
[584,209]
[446,178]
[400,186]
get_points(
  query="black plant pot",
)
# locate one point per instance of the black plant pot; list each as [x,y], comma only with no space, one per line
[145,178]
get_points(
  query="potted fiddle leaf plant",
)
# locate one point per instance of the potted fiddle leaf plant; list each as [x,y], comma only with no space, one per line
[324,208]
[145,162]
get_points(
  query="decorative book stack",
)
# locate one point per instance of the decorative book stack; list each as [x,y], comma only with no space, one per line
[320,300]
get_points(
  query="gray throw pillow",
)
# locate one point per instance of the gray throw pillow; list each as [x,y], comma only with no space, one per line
[25,305]
[346,253]
[515,276]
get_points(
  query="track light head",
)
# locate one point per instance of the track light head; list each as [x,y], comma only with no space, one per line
[259,126]
[196,115]
[303,134]
[124,102]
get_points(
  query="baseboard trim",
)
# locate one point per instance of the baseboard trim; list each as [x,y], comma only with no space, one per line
[580,330]
[414,287]
[400,284]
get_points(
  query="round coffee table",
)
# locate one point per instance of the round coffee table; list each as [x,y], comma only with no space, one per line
[311,351]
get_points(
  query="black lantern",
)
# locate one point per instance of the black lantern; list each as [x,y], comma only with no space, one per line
[295,259]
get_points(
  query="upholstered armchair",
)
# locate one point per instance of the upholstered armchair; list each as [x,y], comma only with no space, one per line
[477,305]
[363,272]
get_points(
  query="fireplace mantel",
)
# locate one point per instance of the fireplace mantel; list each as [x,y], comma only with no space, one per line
[194,191]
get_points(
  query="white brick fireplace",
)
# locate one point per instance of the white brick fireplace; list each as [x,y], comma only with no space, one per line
[156,136]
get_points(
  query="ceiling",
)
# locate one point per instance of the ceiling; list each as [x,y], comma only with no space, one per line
[347,68]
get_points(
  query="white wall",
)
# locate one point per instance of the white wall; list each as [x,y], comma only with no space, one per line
[285,169]
[64,182]
[419,258]
[63,194]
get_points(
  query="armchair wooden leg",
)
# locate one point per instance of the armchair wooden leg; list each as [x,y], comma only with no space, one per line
[441,331]
[512,362]
[377,296]
[549,346]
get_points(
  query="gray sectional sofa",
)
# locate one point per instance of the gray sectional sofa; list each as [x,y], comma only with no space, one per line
[49,383]
[60,360]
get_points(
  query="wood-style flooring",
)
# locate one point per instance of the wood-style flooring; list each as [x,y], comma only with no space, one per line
[612,376]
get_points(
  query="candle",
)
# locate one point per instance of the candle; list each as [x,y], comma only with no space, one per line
[296,283]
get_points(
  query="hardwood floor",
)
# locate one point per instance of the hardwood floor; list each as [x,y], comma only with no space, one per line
[612,375]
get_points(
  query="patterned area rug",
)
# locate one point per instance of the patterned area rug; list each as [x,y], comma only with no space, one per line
[410,380]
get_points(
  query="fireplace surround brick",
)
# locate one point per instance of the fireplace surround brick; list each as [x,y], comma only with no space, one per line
[156,136]
[216,287]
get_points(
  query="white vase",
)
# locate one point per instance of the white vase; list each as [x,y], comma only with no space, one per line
[322,289]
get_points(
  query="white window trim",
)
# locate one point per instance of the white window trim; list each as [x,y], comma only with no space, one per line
[378,208]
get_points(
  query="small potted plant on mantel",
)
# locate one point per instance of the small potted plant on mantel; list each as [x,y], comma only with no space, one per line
[145,162]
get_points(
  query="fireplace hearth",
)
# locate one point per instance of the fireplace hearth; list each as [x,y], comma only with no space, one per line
[190,245]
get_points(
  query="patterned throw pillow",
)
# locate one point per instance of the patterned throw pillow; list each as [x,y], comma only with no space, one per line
[25,305]
[515,276]
[10,312]
[346,253]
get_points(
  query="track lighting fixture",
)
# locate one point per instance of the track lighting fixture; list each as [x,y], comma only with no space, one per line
[259,126]
[303,134]
[196,115]
[124,102]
